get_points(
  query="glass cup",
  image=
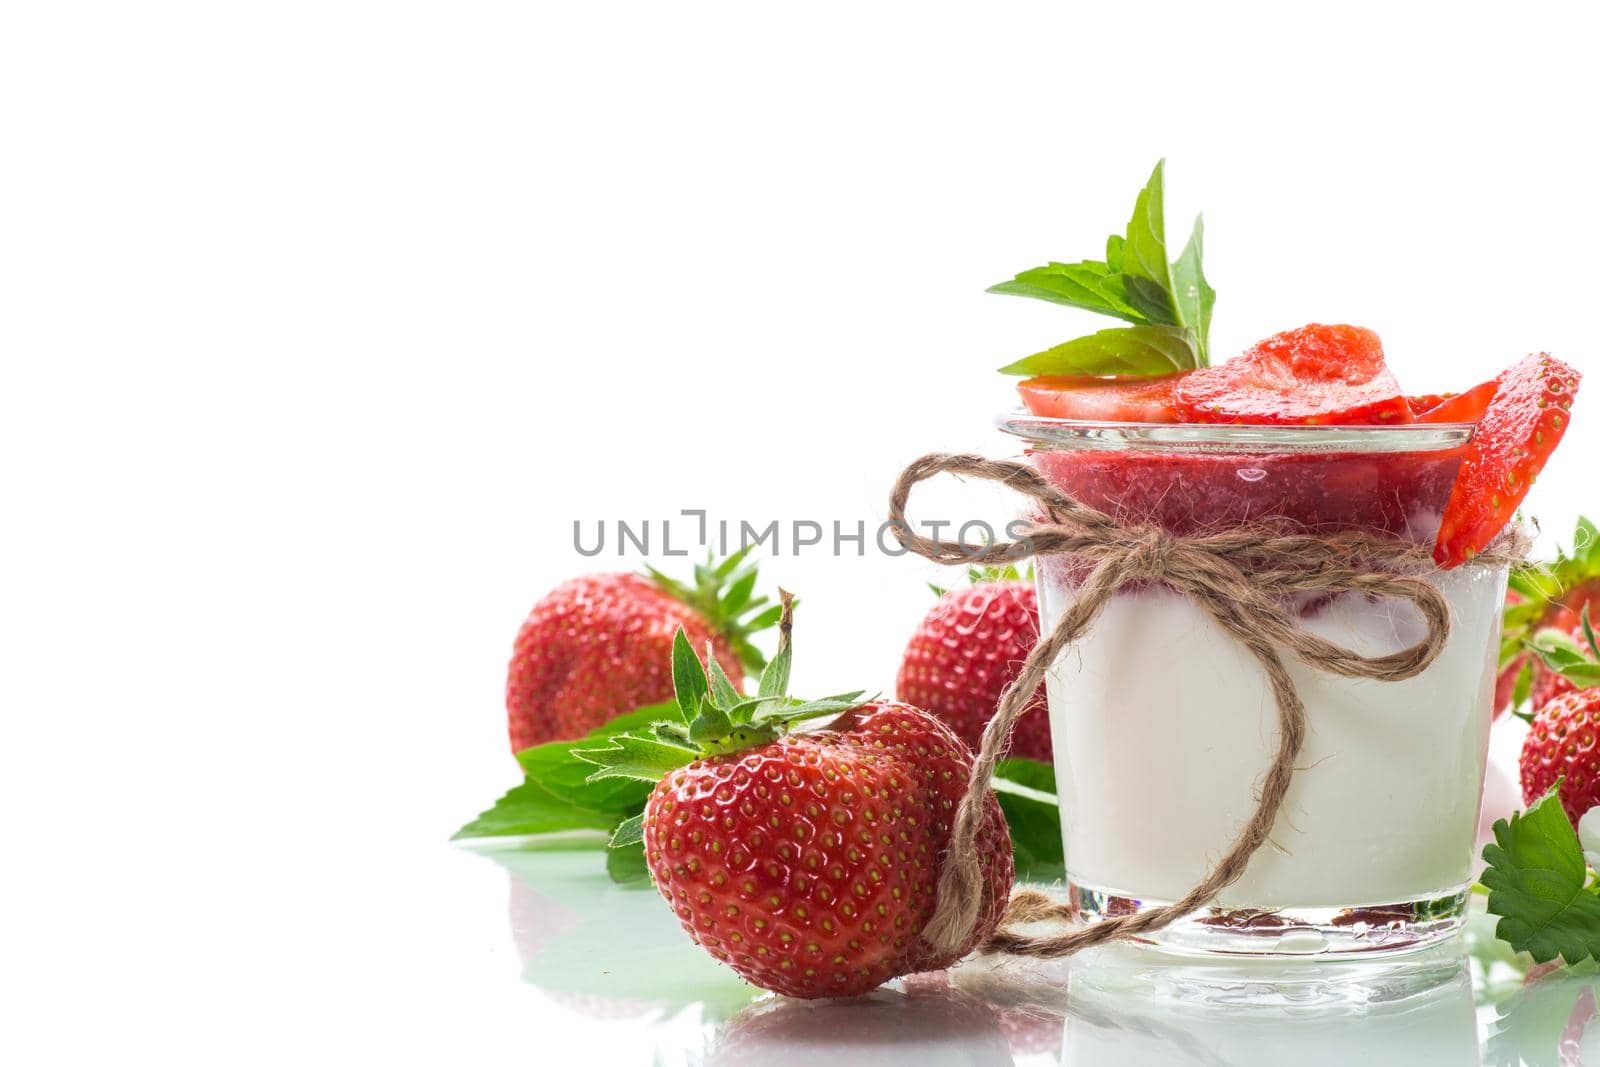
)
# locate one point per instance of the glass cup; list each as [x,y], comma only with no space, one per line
[1163,725]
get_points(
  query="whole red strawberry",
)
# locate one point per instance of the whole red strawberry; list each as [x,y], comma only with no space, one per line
[967,650]
[805,861]
[1564,743]
[600,645]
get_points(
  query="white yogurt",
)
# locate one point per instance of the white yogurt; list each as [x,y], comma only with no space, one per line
[1163,727]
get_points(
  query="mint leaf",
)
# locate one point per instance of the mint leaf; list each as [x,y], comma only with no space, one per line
[1128,351]
[529,809]
[555,769]
[1536,877]
[626,864]
[1026,791]
[1147,277]
[1089,285]
[1193,296]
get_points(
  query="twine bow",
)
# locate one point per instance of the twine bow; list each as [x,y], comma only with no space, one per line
[1242,578]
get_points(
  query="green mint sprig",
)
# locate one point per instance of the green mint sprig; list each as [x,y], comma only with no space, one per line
[1168,301]
[1539,885]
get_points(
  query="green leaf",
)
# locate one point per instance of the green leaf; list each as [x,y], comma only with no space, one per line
[529,809]
[1128,351]
[1090,285]
[1522,688]
[808,709]
[631,756]
[712,723]
[688,676]
[1026,791]
[626,864]
[1114,245]
[1147,275]
[564,776]
[629,831]
[1536,877]
[775,679]
[1194,297]
[722,688]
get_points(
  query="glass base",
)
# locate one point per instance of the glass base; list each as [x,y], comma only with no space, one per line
[1317,933]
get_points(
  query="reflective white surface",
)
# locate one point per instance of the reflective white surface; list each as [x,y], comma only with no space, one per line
[607,977]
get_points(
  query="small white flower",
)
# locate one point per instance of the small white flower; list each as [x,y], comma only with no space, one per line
[1589,836]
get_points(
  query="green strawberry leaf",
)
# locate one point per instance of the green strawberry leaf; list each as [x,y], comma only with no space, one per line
[710,724]
[1536,880]
[1128,351]
[632,756]
[688,676]
[1026,791]
[629,831]
[722,687]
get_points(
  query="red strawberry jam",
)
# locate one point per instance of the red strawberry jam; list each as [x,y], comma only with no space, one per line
[1190,492]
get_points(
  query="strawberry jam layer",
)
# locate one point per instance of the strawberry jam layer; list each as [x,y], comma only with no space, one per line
[1400,494]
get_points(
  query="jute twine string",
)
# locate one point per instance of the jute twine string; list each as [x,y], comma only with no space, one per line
[1242,578]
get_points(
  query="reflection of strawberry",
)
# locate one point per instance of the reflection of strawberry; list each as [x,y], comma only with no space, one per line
[600,645]
[928,1027]
[1516,434]
[964,654]
[1314,375]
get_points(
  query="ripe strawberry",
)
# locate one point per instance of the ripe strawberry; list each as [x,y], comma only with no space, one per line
[599,646]
[808,864]
[1314,375]
[1102,399]
[1563,744]
[967,650]
[1519,430]
[806,861]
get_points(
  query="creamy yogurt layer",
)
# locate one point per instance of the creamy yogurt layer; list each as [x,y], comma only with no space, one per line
[1163,727]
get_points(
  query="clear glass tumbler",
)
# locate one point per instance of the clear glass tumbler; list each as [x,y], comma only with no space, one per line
[1163,726]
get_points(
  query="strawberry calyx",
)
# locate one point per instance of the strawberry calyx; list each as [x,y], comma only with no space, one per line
[713,718]
[1574,656]
[724,595]
[1009,572]
[1551,595]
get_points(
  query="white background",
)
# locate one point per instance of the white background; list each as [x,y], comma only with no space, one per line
[322,322]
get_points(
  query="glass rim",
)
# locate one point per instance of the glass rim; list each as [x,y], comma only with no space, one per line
[1069,435]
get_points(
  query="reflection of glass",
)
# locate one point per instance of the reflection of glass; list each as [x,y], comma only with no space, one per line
[1163,724]
[1270,1014]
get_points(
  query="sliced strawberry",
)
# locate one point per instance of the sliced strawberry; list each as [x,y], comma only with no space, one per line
[1519,429]
[1461,407]
[1102,399]
[1311,376]
[1420,402]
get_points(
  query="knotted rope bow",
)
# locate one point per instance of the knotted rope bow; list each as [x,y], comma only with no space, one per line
[1241,578]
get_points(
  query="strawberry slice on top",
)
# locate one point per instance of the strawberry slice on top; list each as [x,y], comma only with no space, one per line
[1316,375]
[1460,407]
[1519,429]
[1102,399]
